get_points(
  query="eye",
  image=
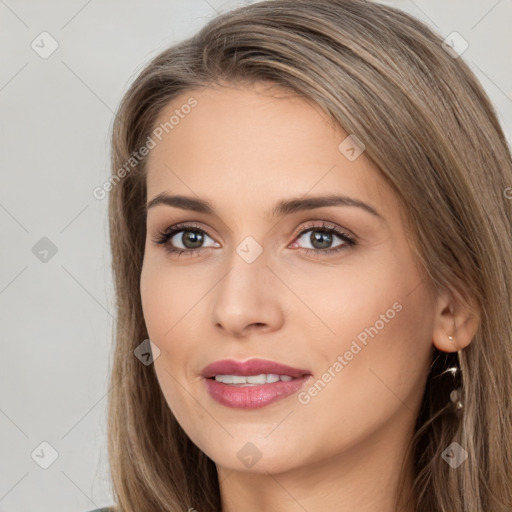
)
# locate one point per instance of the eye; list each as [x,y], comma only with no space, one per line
[321,238]
[189,236]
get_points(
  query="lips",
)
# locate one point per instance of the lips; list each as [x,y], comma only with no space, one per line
[251,367]
[250,395]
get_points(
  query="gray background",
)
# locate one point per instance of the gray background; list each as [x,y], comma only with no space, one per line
[57,309]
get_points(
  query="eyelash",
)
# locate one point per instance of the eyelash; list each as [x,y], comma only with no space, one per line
[164,236]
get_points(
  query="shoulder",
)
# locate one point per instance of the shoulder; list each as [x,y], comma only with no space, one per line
[104,509]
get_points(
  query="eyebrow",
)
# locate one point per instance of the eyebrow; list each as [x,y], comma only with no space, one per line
[284,207]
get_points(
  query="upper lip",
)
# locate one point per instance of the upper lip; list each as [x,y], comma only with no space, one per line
[251,367]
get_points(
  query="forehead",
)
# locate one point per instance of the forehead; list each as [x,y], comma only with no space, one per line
[250,145]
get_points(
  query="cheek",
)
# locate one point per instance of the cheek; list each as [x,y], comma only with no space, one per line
[379,356]
[173,305]
[165,302]
[346,298]
[167,295]
[157,302]
[166,298]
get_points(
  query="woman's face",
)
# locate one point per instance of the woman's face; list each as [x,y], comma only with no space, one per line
[353,308]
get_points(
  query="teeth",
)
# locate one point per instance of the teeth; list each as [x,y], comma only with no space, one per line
[251,380]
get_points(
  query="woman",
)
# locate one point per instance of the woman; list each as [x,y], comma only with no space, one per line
[310,214]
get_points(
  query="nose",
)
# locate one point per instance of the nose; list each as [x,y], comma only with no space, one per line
[247,298]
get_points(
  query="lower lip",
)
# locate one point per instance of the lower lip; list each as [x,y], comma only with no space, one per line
[253,397]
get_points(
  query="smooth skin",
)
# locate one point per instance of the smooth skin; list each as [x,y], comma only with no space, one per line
[244,148]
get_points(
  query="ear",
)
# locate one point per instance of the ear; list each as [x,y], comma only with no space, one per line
[457,319]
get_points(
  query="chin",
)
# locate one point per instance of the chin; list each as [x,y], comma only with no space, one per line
[252,456]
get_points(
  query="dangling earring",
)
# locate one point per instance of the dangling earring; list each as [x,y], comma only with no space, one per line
[455,395]
[455,399]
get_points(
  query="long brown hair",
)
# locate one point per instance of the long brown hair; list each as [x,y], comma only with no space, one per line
[431,130]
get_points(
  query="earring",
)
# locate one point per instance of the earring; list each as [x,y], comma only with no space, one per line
[456,392]
[455,395]
[455,399]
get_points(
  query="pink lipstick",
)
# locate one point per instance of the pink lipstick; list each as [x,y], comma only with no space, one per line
[252,384]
